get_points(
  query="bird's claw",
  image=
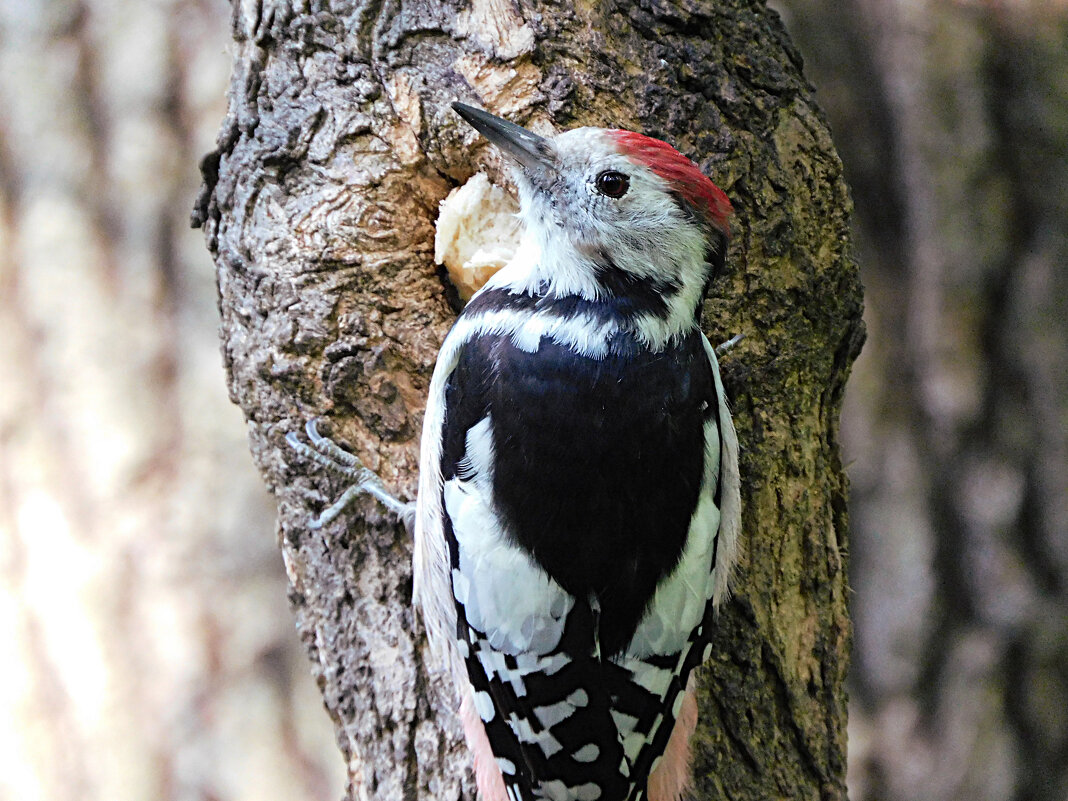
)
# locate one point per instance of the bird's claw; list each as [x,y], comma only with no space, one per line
[332,457]
[730,343]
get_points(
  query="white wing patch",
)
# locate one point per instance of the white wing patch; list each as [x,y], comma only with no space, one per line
[430,563]
[504,592]
[678,609]
[680,600]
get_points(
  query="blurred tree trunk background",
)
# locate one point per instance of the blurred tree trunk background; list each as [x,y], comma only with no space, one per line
[952,121]
[146,647]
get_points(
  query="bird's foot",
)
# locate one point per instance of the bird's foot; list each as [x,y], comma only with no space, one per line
[329,455]
[730,343]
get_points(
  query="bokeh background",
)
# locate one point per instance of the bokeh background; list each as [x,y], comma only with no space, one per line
[146,648]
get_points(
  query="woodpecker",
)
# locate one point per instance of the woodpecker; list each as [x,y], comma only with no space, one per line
[579,504]
[579,498]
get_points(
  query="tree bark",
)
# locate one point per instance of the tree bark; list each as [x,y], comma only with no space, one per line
[319,206]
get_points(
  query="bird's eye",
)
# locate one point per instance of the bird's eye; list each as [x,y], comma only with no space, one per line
[612,183]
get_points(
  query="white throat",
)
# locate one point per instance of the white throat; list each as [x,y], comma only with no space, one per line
[548,265]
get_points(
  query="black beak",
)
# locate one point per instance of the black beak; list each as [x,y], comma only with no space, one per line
[533,152]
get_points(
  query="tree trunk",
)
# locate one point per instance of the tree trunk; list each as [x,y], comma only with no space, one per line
[319,207]
[955,135]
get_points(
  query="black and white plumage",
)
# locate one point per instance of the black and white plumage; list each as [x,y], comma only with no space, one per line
[579,502]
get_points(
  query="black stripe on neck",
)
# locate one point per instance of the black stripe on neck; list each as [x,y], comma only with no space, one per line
[626,297]
[608,309]
[716,249]
[715,256]
[637,295]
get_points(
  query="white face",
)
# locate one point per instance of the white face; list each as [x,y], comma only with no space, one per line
[609,210]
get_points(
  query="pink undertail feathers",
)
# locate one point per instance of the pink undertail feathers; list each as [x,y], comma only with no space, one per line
[487,774]
[672,777]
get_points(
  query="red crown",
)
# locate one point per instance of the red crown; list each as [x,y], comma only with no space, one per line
[683,175]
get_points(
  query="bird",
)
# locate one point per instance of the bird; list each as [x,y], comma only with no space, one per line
[579,498]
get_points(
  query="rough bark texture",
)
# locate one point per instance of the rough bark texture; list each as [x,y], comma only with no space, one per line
[319,205]
[954,129]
